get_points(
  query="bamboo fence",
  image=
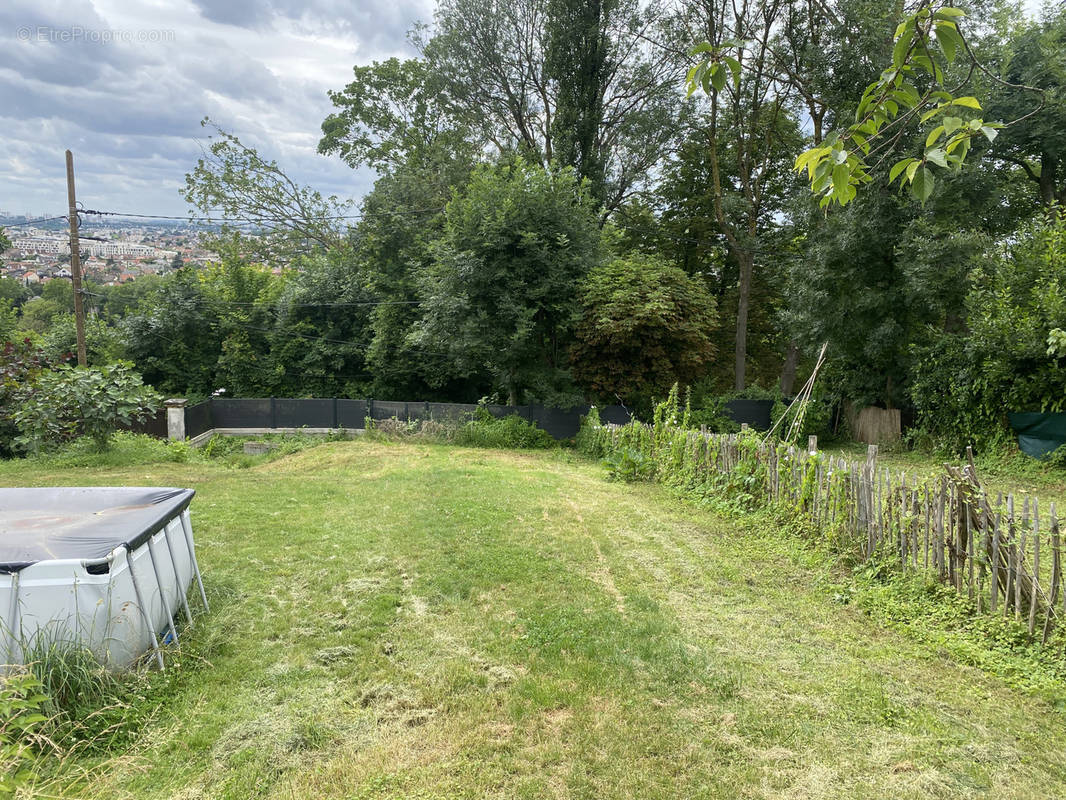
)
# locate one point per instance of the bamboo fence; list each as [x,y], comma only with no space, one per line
[1004,553]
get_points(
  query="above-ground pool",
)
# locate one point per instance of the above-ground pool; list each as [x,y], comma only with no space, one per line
[106,568]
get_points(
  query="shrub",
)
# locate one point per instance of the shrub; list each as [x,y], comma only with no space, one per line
[20,364]
[1008,358]
[485,430]
[68,402]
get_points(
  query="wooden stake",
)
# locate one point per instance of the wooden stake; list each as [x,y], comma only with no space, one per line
[1035,589]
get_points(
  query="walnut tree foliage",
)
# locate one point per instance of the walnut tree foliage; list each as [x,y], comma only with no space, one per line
[242,191]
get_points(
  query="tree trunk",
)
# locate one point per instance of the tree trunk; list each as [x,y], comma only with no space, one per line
[788,371]
[746,262]
[1048,178]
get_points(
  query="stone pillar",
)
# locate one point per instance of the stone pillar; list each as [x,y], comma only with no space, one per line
[176,418]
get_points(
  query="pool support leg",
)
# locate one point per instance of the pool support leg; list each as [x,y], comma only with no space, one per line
[187,529]
[177,577]
[162,591]
[14,634]
[144,611]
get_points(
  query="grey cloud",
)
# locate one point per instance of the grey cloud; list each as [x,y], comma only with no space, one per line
[131,112]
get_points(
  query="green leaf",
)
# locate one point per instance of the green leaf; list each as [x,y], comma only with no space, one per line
[902,46]
[989,132]
[947,12]
[937,156]
[841,179]
[948,38]
[928,115]
[952,124]
[934,134]
[717,77]
[734,67]
[967,102]
[898,167]
[922,184]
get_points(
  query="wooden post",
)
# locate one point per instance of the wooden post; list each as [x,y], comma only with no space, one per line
[75,263]
[812,444]
[1034,590]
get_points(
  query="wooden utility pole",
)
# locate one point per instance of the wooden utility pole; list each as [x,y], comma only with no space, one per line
[75,263]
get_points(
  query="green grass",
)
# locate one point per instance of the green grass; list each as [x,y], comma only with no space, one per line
[399,620]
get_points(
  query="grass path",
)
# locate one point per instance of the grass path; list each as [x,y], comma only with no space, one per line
[417,621]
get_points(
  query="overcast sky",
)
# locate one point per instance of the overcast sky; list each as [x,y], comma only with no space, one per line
[130,108]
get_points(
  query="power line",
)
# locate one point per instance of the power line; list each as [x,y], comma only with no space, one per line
[241,303]
[261,220]
[31,222]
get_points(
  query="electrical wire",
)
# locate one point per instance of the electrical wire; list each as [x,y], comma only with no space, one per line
[30,222]
[261,220]
[241,303]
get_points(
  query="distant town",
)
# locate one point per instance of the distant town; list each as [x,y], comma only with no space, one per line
[111,253]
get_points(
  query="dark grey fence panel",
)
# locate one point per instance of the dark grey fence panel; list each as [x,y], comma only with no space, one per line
[351,414]
[451,411]
[417,410]
[559,423]
[756,413]
[242,412]
[197,419]
[155,425]
[388,409]
[614,415]
[304,413]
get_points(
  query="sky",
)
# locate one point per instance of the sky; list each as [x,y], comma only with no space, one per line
[124,84]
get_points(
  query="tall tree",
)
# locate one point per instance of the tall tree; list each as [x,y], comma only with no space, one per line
[396,117]
[580,83]
[1035,56]
[500,297]
[748,110]
[578,62]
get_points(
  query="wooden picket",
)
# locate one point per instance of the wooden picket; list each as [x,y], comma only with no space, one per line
[1004,556]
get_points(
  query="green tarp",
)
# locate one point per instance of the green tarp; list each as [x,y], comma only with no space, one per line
[1038,434]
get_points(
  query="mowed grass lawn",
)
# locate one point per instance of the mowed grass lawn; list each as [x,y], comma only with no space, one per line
[419,621]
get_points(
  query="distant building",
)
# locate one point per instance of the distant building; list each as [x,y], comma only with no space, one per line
[119,249]
[42,246]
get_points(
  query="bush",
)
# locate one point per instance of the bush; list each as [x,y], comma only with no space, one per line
[1008,358]
[67,402]
[485,430]
[711,412]
[20,364]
